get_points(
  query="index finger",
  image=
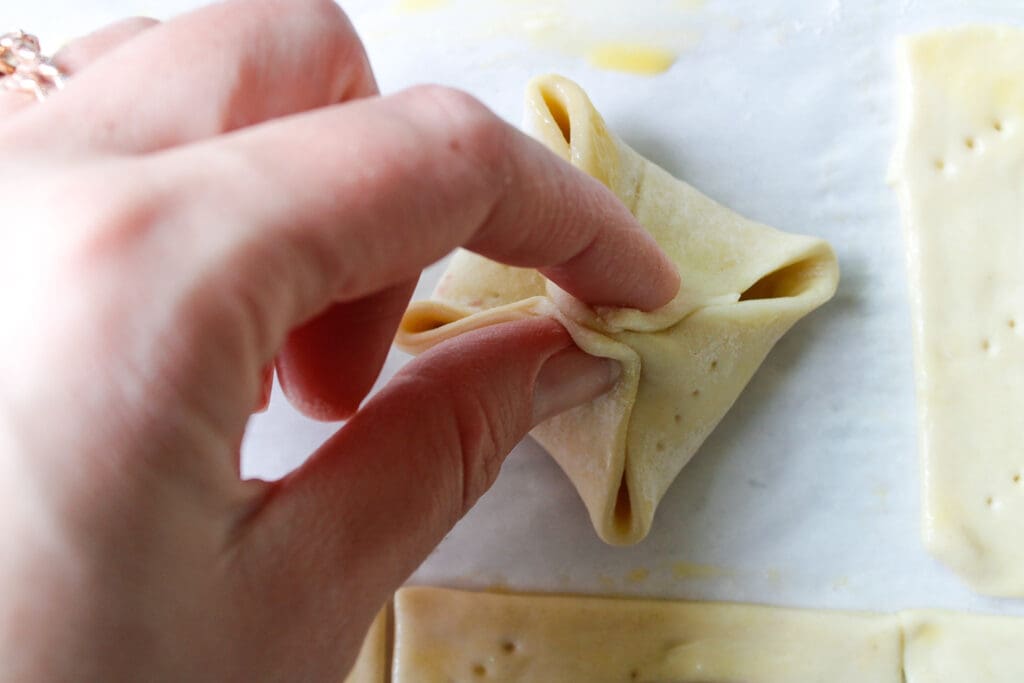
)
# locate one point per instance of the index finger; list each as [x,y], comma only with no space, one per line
[343,202]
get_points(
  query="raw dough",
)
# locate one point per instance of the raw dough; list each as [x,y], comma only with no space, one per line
[959,169]
[745,284]
[443,635]
[942,647]
[447,635]
[372,664]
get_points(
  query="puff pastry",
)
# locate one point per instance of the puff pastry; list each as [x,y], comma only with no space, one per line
[444,635]
[959,170]
[745,285]
[945,647]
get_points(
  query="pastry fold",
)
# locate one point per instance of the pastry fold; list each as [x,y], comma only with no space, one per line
[744,285]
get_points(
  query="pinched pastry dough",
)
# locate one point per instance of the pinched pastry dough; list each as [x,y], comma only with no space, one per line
[745,284]
[444,635]
[959,168]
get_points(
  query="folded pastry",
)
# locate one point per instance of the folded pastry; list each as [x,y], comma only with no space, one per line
[744,285]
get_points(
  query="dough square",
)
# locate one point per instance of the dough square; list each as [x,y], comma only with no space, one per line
[684,365]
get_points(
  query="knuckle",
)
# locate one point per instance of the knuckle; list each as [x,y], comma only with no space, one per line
[485,432]
[244,310]
[81,264]
[443,96]
[110,216]
[481,436]
[138,23]
[322,12]
[469,433]
[471,129]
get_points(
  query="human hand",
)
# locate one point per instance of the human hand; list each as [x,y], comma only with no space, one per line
[204,197]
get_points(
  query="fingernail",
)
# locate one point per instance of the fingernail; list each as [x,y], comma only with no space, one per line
[571,378]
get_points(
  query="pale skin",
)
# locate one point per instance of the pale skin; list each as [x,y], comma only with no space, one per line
[205,201]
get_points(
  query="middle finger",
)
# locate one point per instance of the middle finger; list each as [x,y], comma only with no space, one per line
[73,58]
[211,71]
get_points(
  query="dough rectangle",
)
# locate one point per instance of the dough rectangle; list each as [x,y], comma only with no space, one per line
[959,169]
[943,647]
[444,635]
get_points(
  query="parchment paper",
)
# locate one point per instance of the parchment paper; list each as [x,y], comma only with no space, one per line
[807,493]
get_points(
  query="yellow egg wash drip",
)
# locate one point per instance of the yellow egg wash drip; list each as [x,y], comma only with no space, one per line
[631,58]
[421,5]
[692,570]
[638,575]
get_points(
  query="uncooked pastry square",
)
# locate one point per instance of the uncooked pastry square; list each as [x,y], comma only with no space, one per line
[745,285]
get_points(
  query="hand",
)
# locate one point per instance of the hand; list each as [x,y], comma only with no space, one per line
[204,197]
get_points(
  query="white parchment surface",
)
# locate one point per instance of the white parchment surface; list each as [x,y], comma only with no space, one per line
[807,493]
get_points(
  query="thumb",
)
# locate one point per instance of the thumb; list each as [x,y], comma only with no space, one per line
[373,501]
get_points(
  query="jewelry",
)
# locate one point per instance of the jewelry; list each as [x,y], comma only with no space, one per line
[24,67]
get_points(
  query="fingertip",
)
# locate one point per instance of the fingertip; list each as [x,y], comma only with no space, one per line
[330,363]
[653,278]
[621,264]
[667,283]
[138,23]
[638,275]
[309,393]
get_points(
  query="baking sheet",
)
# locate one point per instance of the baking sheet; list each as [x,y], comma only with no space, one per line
[807,493]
